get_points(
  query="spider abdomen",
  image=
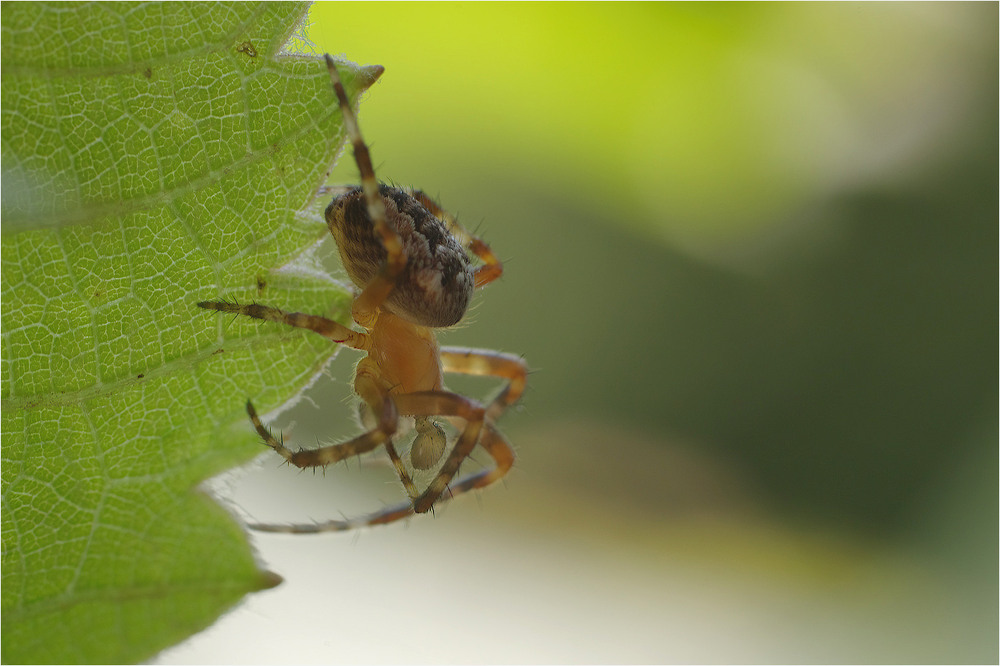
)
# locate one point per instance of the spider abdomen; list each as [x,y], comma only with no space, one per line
[436,285]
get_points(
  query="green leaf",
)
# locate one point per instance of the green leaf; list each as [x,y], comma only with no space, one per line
[154,155]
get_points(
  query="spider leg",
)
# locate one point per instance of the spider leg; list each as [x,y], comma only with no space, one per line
[327,455]
[404,475]
[425,403]
[443,403]
[328,328]
[503,456]
[375,292]
[491,268]
[497,364]
[479,429]
[383,517]
[487,362]
[368,387]
[491,440]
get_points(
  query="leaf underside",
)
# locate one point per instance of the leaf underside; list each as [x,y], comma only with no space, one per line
[154,156]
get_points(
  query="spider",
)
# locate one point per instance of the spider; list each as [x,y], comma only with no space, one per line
[409,259]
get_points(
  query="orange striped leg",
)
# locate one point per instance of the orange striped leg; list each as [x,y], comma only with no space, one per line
[404,474]
[328,328]
[497,364]
[503,455]
[442,403]
[489,438]
[375,292]
[486,362]
[367,386]
[328,455]
[383,517]
[426,403]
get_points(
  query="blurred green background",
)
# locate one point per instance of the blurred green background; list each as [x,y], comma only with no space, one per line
[769,228]
[751,253]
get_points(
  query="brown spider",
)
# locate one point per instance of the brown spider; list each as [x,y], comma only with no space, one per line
[408,257]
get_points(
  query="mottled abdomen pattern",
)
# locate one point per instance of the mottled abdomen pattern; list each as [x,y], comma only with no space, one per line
[435,287]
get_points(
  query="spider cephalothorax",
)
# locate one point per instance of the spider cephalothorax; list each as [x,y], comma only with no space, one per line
[410,260]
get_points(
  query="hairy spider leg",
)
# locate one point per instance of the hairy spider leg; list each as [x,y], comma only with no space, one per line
[423,403]
[444,403]
[327,455]
[491,268]
[328,328]
[486,362]
[490,439]
[500,450]
[401,471]
[457,360]
[365,308]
